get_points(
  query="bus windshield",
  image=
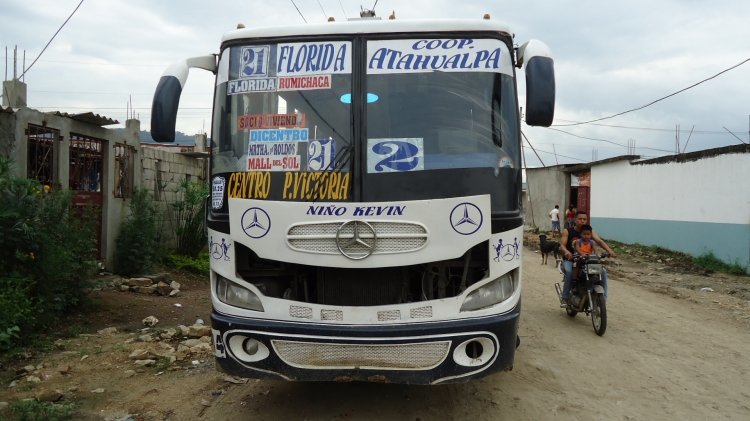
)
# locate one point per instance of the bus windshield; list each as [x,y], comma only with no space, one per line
[439,117]
[442,121]
[272,115]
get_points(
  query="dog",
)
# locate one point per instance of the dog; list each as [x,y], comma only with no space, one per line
[547,247]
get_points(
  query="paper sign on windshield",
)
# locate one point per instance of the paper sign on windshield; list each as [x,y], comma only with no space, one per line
[395,155]
[443,55]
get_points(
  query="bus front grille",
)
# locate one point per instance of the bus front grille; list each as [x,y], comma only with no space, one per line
[411,356]
[392,237]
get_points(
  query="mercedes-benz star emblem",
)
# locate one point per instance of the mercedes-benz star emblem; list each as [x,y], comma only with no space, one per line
[466,218]
[358,244]
[256,223]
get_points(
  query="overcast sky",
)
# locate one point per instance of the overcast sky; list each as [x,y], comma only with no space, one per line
[610,56]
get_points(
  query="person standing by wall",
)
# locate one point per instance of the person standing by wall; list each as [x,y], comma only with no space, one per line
[554,216]
[570,216]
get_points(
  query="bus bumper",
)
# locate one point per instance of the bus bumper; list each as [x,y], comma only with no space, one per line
[418,353]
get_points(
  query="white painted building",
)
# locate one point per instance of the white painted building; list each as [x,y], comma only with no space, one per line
[696,203]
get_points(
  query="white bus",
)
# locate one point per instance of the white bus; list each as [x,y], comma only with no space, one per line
[365,222]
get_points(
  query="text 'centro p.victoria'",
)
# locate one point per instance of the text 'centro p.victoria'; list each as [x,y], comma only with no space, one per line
[297,186]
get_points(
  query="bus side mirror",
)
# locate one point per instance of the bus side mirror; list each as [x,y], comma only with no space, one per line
[540,82]
[167,95]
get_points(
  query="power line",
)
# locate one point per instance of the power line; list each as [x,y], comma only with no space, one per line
[91,63]
[607,141]
[730,132]
[325,16]
[532,147]
[50,40]
[149,94]
[115,108]
[298,11]
[655,129]
[342,10]
[657,100]
[552,153]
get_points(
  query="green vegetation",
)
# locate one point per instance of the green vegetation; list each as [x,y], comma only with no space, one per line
[706,262]
[162,364]
[34,410]
[199,264]
[710,262]
[47,251]
[137,245]
[189,217]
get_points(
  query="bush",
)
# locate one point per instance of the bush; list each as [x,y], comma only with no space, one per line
[199,265]
[16,310]
[34,410]
[67,252]
[46,253]
[712,263]
[189,216]
[136,248]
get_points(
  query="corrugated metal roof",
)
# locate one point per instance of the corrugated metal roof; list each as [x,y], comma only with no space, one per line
[89,117]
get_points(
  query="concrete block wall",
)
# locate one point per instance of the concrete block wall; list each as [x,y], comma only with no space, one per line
[163,172]
[545,188]
[149,164]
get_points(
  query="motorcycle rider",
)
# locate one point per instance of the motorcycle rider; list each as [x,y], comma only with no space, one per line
[569,235]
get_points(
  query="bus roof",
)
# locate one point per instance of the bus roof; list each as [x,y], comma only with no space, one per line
[369,26]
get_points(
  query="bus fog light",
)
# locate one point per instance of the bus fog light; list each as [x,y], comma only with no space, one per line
[251,346]
[493,293]
[474,352]
[248,349]
[230,293]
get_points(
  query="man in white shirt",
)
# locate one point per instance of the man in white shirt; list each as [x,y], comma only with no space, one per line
[554,216]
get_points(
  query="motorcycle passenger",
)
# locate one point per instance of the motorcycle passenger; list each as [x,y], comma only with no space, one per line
[584,245]
[569,235]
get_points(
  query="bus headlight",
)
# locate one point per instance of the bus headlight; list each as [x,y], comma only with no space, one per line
[493,293]
[230,293]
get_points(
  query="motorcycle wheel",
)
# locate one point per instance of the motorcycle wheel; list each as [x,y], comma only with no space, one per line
[599,314]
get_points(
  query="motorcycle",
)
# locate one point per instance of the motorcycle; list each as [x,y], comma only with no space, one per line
[587,290]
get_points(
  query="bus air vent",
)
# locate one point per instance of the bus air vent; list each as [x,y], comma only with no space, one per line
[409,356]
[392,237]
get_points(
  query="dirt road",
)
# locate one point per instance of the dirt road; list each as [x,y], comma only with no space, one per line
[661,358]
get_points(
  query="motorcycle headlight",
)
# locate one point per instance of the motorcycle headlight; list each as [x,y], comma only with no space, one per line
[493,293]
[594,269]
[230,293]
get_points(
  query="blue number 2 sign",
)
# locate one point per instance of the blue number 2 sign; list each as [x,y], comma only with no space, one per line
[394,155]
